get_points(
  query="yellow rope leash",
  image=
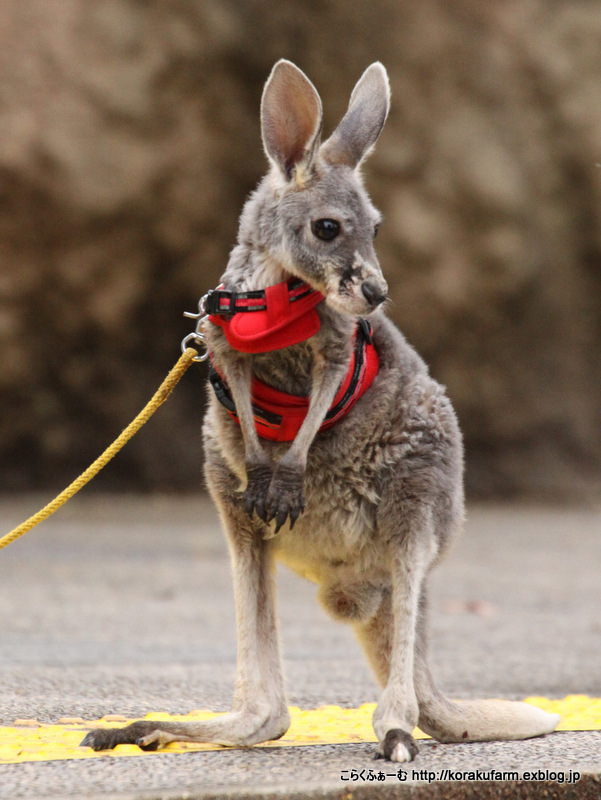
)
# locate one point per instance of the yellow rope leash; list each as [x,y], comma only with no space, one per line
[158,398]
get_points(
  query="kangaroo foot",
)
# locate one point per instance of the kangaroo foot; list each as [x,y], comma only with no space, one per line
[136,733]
[398,745]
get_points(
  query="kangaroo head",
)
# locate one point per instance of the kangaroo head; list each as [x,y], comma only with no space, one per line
[322,223]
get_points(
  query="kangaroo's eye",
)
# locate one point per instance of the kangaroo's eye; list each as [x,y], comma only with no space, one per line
[376,229]
[326,229]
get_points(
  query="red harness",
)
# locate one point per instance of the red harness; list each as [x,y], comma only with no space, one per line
[284,314]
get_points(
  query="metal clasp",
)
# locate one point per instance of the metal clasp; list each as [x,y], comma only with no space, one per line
[198,336]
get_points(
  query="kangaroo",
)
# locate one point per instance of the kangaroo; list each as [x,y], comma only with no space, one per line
[364,495]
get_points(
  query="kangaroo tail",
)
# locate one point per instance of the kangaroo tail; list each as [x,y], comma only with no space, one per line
[475,720]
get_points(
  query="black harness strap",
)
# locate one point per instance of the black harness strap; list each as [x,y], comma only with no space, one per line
[229,301]
[363,338]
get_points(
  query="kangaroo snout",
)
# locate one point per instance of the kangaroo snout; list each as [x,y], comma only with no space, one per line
[374,293]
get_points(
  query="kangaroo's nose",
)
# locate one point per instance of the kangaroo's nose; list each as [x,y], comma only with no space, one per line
[373,293]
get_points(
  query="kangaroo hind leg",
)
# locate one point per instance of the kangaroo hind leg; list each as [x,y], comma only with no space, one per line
[259,712]
[389,637]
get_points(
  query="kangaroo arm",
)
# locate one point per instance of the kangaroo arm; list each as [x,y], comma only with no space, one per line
[285,496]
[238,373]
[259,470]
[327,376]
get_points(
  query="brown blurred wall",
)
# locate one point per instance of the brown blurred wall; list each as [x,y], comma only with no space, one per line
[129,138]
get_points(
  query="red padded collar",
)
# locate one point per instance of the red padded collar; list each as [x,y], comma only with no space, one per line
[282,315]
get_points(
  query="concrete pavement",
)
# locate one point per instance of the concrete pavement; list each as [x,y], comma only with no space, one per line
[124,606]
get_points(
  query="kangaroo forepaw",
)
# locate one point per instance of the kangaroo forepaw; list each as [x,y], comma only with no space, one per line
[108,738]
[255,495]
[286,496]
[398,745]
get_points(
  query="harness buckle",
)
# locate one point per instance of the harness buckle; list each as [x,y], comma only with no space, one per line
[221,392]
[211,301]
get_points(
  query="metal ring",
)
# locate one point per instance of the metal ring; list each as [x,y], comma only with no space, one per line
[197,339]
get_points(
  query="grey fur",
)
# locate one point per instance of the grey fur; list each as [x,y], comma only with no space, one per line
[381,491]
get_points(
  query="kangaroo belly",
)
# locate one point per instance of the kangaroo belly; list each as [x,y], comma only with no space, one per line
[336,541]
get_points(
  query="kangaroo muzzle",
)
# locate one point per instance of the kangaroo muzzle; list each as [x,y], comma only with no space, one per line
[375,293]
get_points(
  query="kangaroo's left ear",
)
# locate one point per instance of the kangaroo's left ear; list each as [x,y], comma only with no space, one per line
[360,127]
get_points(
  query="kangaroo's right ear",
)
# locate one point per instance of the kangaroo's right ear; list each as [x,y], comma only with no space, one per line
[291,118]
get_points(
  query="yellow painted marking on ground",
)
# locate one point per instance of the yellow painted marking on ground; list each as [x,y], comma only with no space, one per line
[578,712]
[29,740]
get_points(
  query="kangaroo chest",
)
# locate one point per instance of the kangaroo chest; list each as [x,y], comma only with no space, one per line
[274,319]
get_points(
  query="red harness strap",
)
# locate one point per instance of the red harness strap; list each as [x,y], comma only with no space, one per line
[279,415]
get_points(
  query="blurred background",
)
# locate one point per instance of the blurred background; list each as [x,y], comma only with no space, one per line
[129,138]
